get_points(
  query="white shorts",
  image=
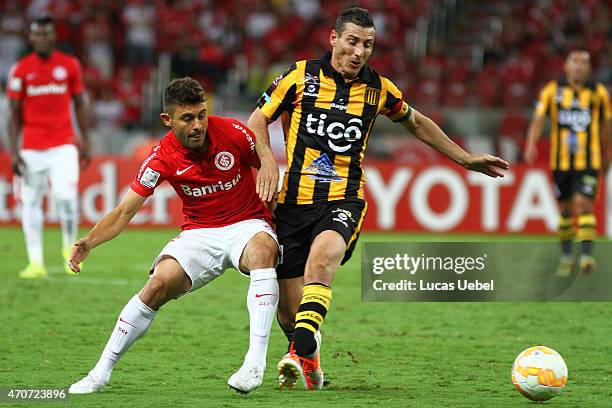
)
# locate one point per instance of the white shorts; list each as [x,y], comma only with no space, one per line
[58,165]
[205,253]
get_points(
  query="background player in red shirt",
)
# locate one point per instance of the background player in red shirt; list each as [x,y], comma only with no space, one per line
[41,87]
[208,161]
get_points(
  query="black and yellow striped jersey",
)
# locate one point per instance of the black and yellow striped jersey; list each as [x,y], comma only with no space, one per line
[575,117]
[327,123]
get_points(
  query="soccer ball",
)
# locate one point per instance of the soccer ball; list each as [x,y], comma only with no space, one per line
[539,373]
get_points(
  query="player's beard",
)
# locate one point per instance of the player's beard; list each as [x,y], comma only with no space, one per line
[196,140]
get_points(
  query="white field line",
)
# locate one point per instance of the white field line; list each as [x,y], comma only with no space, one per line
[57,273]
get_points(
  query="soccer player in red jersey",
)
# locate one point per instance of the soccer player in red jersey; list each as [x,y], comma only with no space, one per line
[41,87]
[208,161]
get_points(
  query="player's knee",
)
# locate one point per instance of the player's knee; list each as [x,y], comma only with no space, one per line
[155,293]
[325,260]
[66,207]
[566,209]
[585,206]
[66,196]
[261,253]
[32,200]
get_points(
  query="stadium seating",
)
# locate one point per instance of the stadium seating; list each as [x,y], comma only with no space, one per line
[492,54]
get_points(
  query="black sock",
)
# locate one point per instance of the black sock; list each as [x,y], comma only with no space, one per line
[311,313]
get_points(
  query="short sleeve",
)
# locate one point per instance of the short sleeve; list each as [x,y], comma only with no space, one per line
[546,95]
[76,79]
[244,139]
[395,108]
[280,95]
[15,84]
[150,175]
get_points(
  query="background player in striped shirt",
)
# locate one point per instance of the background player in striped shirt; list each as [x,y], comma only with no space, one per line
[328,107]
[41,87]
[580,116]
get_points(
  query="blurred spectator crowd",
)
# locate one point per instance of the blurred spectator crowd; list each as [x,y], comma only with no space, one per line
[118,43]
[523,45]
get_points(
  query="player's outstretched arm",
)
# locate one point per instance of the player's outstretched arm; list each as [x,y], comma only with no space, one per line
[267,176]
[107,228]
[533,135]
[427,131]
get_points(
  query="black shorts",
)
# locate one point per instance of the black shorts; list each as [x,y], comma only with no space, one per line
[298,225]
[567,183]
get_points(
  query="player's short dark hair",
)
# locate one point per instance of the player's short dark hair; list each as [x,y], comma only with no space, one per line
[42,21]
[183,91]
[356,15]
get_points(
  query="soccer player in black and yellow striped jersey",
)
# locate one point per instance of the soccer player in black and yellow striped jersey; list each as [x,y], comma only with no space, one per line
[580,116]
[328,107]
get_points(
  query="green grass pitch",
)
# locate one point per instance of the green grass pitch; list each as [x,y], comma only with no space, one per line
[374,354]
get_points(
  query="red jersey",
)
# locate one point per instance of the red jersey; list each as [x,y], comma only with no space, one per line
[46,87]
[217,188]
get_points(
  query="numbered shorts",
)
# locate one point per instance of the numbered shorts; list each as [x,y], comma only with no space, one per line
[205,253]
[57,165]
[567,183]
[297,225]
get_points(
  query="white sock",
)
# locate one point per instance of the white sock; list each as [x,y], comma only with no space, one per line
[134,320]
[262,300]
[32,224]
[69,221]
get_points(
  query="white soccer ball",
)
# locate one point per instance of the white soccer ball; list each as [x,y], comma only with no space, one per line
[539,373]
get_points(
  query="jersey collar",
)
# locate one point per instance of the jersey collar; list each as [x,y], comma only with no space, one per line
[587,84]
[51,56]
[365,75]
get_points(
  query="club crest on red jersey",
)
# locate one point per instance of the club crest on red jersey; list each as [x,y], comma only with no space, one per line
[224,160]
[59,73]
